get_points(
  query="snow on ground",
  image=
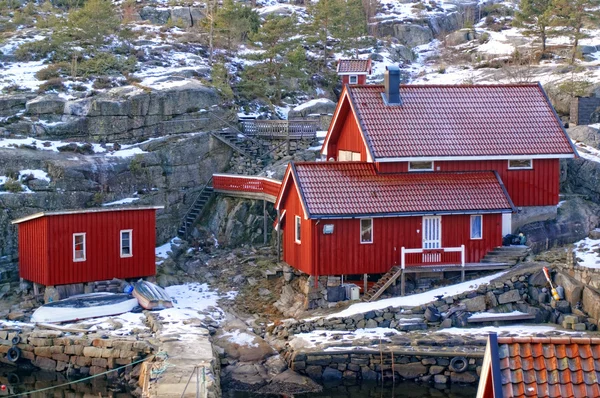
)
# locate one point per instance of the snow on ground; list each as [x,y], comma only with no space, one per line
[520,330]
[588,251]
[21,74]
[312,103]
[37,174]
[417,299]
[483,315]
[499,42]
[319,337]
[125,153]
[241,338]
[121,202]
[162,251]
[587,152]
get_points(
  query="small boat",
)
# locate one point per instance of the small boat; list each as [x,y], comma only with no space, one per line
[84,306]
[151,296]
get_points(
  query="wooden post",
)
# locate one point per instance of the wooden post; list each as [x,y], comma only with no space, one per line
[197,382]
[365,283]
[278,235]
[287,134]
[264,221]
[462,263]
[402,283]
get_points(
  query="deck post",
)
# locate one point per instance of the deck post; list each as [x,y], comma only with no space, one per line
[402,276]
[287,134]
[265,221]
[278,231]
[462,263]
[365,284]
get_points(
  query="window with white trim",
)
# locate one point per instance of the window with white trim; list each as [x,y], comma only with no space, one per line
[355,157]
[353,79]
[520,164]
[126,243]
[348,156]
[477,227]
[366,230]
[298,236]
[79,247]
[420,166]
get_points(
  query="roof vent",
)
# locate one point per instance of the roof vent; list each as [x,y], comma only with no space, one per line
[391,79]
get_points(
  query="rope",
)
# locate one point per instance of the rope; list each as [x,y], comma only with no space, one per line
[80,380]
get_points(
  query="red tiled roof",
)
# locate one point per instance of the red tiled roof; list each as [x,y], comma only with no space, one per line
[565,367]
[354,66]
[355,188]
[441,121]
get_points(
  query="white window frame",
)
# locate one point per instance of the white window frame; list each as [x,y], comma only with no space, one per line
[520,167]
[75,259]
[355,156]
[298,228]
[350,78]
[130,232]
[364,242]
[424,161]
[480,224]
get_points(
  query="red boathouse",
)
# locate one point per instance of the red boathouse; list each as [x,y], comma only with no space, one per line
[78,246]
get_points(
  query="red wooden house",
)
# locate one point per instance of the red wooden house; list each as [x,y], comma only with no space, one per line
[64,247]
[554,367]
[435,173]
[354,71]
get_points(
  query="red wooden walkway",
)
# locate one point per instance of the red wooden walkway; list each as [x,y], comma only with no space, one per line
[251,187]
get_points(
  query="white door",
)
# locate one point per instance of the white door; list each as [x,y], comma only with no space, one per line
[432,238]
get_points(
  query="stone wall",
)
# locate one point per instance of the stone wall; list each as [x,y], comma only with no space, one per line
[392,362]
[74,355]
[523,290]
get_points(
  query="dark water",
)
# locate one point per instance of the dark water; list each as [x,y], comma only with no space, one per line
[48,384]
[372,390]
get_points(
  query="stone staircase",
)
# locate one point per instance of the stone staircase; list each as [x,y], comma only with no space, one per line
[382,284]
[506,255]
[195,211]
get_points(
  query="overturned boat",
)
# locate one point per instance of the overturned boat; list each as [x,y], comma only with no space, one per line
[84,306]
[151,296]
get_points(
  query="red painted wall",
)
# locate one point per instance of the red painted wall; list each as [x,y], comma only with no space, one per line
[103,259]
[342,253]
[33,250]
[298,255]
[362,79]
[349,139]
[536,187]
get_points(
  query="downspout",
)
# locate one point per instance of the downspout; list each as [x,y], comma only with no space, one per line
[316,253]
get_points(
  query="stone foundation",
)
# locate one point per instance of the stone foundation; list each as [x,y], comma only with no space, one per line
[82,355]
[395,362]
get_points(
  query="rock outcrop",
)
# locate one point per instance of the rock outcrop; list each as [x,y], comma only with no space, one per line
[588,135]
[125,114]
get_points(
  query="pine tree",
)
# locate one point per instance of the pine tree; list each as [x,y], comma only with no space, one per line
[535,16]
[573,15]
[235,22]
[93,23]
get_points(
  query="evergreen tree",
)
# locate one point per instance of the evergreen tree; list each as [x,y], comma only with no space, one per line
[235,22]
[535,16]
[350,24]
[573,15]
[93,23]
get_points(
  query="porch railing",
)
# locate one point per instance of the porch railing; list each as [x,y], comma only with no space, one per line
[240,185]
[442,255]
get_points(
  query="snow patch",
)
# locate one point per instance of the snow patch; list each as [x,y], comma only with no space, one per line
[310,103]
[587,252]
[121,202]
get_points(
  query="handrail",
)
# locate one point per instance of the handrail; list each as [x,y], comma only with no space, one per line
[404,251]
[267,188]
[208,183]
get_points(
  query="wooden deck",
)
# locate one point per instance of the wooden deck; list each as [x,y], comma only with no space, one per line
[417,269]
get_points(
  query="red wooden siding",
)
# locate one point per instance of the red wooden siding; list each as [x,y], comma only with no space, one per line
[33,250]
[246,184]
[349,139]
[536,187]
[362,79]
[298,255]
[54,265]
[342,253]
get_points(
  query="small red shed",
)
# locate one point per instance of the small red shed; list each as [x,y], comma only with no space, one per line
[354,71]
[77,246]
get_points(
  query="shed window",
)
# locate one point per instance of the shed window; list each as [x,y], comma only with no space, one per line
[353,79]
[420,166]
[348,156]
[477,227]
[297,233]
[126,243]
[516,164]
[366,230]
[79,247]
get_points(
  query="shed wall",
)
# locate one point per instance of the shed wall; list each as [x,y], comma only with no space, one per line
[103,260]
[298,255]
[33,250]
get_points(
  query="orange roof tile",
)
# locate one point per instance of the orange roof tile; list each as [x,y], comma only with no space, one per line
[358,66]
[564,367]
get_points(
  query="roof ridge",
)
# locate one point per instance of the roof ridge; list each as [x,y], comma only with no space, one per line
[487,85]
